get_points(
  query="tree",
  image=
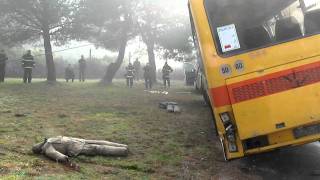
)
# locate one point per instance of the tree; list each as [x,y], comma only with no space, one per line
[111,28]
[28,20]
[149,19]
[182,47]
[162,29]
[119,21]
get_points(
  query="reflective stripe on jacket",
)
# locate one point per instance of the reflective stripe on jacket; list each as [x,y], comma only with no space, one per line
[28,61]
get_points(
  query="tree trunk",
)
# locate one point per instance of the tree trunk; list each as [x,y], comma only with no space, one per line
[51,71]
[152,60]
[113,68]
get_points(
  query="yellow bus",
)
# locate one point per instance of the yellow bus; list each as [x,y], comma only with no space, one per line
[261,65]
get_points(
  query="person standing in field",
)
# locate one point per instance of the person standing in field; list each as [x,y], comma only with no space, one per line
[69,74]
[3,61]
[166,70]
[148,76]
[82,69]
[130,75]
[27,64]
[137,67]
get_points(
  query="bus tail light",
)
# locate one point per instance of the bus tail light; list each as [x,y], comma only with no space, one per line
[225,117]
[232,143]
[230,131]
[305,131]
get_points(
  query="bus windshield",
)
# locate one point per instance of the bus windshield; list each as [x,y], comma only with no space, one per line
[242,25]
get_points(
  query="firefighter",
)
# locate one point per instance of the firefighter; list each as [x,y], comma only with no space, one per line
[27,64]
[130,75]
[166,70]
[148,76]
[82,69]
[3,61]
[69,73]
[137,67]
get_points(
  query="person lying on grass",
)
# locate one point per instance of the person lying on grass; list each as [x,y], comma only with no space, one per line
[62,148]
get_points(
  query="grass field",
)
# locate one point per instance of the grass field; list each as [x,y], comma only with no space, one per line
[162,145]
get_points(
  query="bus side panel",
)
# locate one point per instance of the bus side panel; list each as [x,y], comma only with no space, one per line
[280,98]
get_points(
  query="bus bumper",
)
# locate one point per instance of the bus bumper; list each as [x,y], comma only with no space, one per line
[292,137]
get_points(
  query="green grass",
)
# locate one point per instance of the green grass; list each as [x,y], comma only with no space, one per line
[161,144]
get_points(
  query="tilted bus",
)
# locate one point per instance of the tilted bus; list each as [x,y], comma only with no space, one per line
[261,65]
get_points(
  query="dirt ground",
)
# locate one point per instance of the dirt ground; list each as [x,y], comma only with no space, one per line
[162,145]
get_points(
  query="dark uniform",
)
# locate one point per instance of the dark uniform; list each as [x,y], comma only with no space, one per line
[82,69]
[3,61]
[130,75]
[137,67]
[69,74]
[27,64]
[148,76]
[166,70]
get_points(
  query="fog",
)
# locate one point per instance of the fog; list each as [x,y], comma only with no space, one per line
[92,32]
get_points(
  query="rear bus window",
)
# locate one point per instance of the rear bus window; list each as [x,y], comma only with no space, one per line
[244,25]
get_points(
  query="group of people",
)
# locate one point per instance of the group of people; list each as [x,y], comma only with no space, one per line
[28,63]
[133,72]
[69,72]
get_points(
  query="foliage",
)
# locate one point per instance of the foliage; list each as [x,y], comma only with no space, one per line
[109,24]
[25,20]
[109,29]
[28,20]
[105,28]
[167,29]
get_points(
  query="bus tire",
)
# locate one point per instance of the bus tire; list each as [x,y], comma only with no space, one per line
[212,114]
[214,121]
[206,97]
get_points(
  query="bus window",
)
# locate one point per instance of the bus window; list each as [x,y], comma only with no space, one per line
[311,22]
[245,25]
[287,29]
[255,37]
[309,4]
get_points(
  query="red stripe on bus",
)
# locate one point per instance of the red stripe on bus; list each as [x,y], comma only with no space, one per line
[275,83]
[266,85]
[220,96]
